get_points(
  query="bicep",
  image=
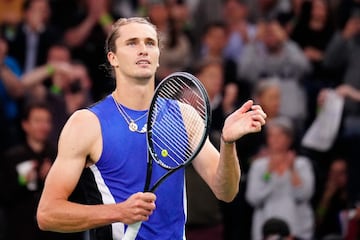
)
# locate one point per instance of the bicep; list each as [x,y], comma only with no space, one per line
[75,144]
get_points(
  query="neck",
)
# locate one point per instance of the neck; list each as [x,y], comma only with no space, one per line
[134,96]
[36,146]
[278,154]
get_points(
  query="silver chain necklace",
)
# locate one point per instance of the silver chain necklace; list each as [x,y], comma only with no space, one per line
[133,127]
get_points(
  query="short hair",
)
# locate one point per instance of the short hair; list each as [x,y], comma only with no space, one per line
[275,227]
[285,123]
[213,25]
[265,83]
[204,63]
[30,106]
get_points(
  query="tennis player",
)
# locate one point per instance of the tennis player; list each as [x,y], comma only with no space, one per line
[108,140]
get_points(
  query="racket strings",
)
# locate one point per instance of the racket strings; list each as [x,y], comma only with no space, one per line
[191,96]
[171,137]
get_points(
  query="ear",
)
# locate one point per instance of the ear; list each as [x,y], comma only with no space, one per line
[112,59]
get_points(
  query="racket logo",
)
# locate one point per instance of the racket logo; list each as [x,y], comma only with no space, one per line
[164,153]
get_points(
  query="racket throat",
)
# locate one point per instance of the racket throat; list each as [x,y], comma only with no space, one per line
[162,179]
[148,177]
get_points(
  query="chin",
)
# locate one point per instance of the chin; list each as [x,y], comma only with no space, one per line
[145,74]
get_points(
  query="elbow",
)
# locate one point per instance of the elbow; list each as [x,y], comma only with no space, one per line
[228,196]
[43,219]
[228,199]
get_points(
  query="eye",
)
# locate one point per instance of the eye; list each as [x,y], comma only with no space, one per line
[131,43]
[150,43]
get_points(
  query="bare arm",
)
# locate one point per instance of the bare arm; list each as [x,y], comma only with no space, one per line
[221,170]
[55,212]
[11,82]
[77,35]
[97,14]
[40,74]
[349,91]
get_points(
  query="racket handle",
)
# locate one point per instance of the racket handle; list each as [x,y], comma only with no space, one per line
[131,231]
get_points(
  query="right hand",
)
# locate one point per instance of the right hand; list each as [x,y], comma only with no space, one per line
[138,207]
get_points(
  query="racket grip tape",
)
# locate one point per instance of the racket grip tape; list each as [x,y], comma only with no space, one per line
[131,231]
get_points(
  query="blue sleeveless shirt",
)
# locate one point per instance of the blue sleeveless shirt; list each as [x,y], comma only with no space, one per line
[121,172]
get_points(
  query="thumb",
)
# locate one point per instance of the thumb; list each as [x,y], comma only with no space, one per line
[246,106]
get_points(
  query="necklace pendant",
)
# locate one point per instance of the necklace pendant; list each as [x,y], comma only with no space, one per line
[133,126]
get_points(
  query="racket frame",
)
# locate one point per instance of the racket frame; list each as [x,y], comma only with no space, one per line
[152,155]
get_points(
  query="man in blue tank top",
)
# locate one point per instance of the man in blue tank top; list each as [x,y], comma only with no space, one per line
[108,141]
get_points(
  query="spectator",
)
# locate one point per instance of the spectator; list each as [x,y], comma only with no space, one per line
[63,83]
[24,169]
[276,228]
[267,92]
[216,219]
[176,48]
[240,30]
[84,31]
[223,97]
[343,54]
[213,43]
[274,55]
[33,36]
[280,184]
[334,199]
[11,93]
[205,220]
[205,13]
[313,32]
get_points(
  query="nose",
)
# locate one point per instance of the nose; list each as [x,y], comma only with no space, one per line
[143,49]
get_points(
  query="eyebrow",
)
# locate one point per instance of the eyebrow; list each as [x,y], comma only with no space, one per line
[137,39]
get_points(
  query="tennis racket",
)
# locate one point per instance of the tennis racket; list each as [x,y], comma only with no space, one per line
[177,127]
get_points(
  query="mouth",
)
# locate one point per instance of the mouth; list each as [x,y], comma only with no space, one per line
[143,62]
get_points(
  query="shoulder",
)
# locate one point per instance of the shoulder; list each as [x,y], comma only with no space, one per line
[81,123]
[83,118]
[81,136]
[302,161]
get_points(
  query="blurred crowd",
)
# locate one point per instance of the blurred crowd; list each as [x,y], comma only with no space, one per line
[289,56]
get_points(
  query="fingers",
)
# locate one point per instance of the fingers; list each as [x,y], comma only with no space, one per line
[143,205]
[258,110]
[246,106]
[258,115]
[247,119]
